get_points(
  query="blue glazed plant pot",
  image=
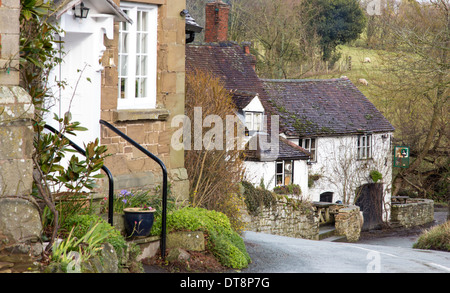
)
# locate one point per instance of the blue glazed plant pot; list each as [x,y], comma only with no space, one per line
[138,222]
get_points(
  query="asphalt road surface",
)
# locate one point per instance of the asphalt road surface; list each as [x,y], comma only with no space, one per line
[278,254]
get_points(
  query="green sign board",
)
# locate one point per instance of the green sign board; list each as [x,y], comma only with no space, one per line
[401,156]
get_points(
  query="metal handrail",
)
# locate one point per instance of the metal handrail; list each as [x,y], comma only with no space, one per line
[164,188]
[111,180]
[106,170]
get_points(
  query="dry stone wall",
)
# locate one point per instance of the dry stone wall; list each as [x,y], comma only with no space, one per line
[287,218]
[414,212]
[348,222]
[291,218]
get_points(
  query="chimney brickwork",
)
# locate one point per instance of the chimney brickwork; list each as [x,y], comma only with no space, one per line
[216,24]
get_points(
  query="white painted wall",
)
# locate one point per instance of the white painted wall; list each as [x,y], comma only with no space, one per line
[341,172]
[83,48]
[254,106]
[255,171]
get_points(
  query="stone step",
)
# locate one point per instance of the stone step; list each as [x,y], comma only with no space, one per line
[395,224]
[326,231]
[335,238]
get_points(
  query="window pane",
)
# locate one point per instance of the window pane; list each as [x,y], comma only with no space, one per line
[123,48]
[257,121]
[139,21]
[123,65]
[138,65]
[248,121]
[287,179]
[144,41]
[138,43]
[279,168]
[313,143]
[144,21]
[287,167]
[279,179]
[143,88]
[122,88]
[143,66]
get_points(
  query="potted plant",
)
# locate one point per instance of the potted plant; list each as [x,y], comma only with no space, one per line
[138,221]
[137,213]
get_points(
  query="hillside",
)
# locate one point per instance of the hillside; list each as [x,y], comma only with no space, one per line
[370,71]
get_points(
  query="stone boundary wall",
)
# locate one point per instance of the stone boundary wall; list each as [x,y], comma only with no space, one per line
[348,222]
[20,222]
[294,219]
[287,218]
[414,212]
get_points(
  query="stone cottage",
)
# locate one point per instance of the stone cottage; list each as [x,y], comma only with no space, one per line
[348,138]
[124,63]
[235,66]
[333,142]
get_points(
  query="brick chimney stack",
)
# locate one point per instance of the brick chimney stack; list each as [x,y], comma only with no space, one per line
[216,25]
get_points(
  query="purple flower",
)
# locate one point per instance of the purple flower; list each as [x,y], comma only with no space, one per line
[124,200]
[125,192]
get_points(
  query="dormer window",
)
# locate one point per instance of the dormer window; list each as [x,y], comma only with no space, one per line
[309,144]
[253,121]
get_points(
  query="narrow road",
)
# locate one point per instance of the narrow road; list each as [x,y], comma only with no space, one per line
[278,254]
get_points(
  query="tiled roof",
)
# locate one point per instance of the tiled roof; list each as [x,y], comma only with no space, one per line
[323,107]
[290,150]
[242,99]
[227,61]
[286,151]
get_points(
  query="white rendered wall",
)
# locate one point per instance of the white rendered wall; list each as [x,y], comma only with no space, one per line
[81,71]
[255,171]
[341,172]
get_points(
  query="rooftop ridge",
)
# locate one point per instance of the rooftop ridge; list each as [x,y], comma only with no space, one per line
[214,44]
[303,80]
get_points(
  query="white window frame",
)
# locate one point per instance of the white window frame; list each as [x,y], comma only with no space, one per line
[130,76]
[364,146]
[252,125]
[307,143]
[284,172]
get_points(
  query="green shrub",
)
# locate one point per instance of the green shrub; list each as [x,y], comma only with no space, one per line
[436,238]
[376,176]
[71,252]
[288,189]
[82,223]
[256,197]
[226,245]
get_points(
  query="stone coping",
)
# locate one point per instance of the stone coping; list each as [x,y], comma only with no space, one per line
[140,114]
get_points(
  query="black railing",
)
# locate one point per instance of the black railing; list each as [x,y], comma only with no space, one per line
[108,173]
[111,180]
[164,187]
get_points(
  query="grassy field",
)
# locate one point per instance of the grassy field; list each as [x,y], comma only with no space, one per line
[371,72]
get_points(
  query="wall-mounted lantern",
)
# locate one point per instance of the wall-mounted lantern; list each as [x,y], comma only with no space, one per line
[80,11]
